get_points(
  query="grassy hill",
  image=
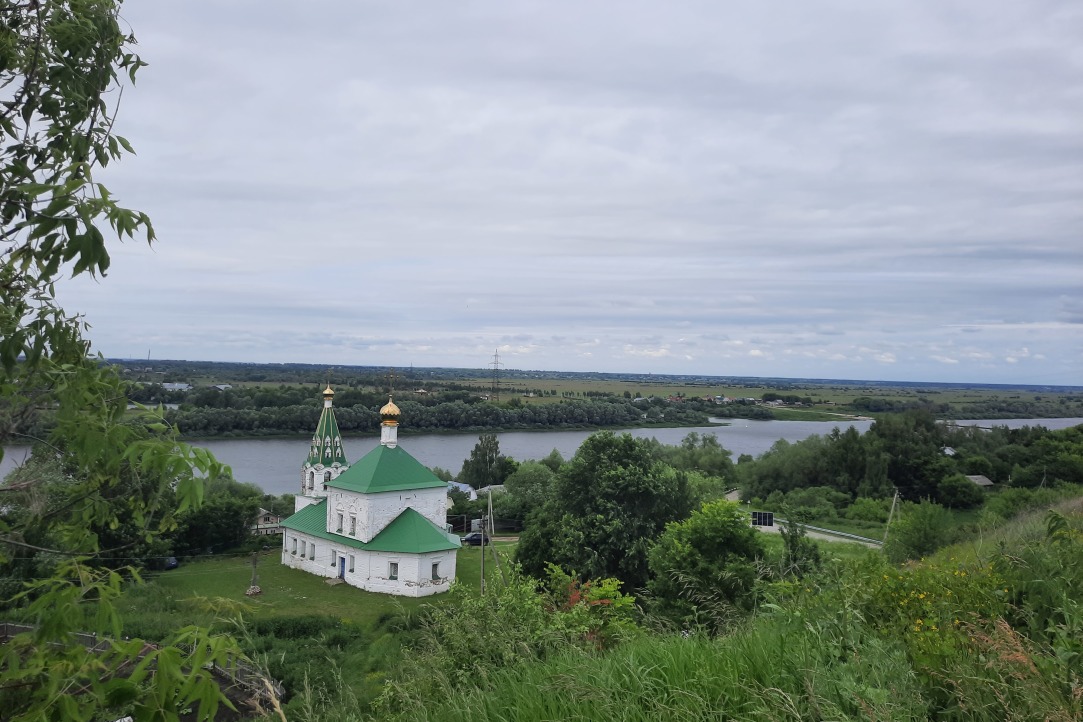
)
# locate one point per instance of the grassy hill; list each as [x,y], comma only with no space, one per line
[987,630]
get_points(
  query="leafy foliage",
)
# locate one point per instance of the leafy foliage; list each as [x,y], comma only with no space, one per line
[486,466]
[608,504]
[705,563]
[60,64]
[456,640]
[921,529]
[988,639]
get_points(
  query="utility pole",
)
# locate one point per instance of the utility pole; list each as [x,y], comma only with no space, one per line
[891,514]
[492,547]
[483,556]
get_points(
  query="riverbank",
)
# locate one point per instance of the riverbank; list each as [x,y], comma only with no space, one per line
[406,432]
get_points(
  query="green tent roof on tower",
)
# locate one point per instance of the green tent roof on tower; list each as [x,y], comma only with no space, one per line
[326,446]
[386,468]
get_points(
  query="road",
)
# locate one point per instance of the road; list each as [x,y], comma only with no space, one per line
[735,495]
[821,536]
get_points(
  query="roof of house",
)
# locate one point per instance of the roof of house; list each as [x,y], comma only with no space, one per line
[386,468]
[980,479]
[408,533]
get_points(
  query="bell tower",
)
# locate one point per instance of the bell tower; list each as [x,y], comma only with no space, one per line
[326,458]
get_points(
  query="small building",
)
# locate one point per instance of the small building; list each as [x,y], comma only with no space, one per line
[266,523]
[177,387]
[379,524]
[980,480]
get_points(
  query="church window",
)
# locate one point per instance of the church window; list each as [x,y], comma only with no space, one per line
[339,530]
[311,479]
[334,556]
[303,549]
[326,478]
[353,526]
[311,551]
[351,564]
[436,571]
[393,570]
[294,552]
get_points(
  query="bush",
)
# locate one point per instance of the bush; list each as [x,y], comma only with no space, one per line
[866,509]
[958,492]
[705,566]
[921,529]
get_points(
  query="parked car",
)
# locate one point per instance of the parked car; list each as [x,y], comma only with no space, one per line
[477,538]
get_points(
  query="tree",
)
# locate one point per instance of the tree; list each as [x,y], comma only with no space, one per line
[527,489]
[223,521]
[486,466]
[958,492]
[61,63]
[705,564]
[921,529]
[554,460]
[607,506]
[442,474]
[913,442]
[800,555]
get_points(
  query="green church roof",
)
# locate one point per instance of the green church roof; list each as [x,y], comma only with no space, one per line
[386,468]
[408,533]
[326,446]
[411,532]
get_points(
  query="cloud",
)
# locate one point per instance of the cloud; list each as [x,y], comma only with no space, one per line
[841,191]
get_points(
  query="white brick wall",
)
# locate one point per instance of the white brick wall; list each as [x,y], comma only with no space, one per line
[375,511]
[371,568]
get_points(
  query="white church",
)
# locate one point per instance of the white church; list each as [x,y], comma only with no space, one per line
[378,524]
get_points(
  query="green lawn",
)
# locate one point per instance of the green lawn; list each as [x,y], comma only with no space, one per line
[291,591]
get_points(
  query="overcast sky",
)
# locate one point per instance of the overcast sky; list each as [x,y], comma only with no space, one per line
[885,190]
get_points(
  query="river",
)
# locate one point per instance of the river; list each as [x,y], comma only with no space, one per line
[275,464]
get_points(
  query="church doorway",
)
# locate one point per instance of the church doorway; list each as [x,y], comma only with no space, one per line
[342,567]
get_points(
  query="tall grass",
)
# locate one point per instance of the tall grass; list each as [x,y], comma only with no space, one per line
[764,673]
[996,636]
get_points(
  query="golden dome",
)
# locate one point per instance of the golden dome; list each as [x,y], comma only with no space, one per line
[327,392]
[389,408]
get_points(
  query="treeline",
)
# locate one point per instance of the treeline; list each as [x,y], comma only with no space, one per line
[459,415]
[1039,406]
[919,456]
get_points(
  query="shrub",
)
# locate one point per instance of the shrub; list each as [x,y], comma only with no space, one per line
[705,564]
[958,492]
[867,509]
[921,529]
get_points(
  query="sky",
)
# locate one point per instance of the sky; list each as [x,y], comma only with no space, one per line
[888,190]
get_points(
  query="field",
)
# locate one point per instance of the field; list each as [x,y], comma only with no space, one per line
[285,591]
[828,398]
